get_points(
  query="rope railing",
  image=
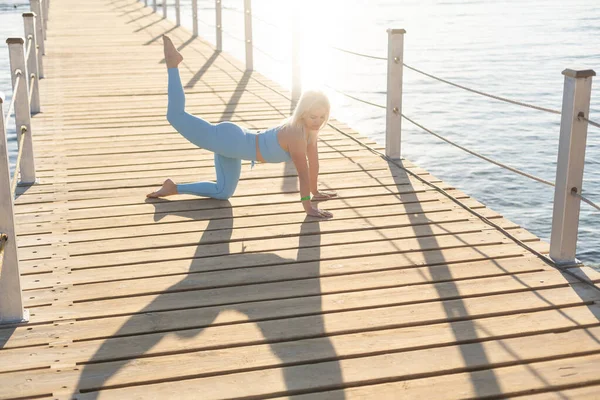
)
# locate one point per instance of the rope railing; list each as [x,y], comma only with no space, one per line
[495,97]
[264,21]
[515,102]
[474,153]
[11,107]
[358,54]
[31,87]
[580,116]
[13,185]
[29,47]
[585,200]
[354,98]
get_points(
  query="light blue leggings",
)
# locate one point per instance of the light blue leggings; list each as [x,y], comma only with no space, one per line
[230,143]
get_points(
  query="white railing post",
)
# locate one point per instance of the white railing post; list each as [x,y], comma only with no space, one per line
[164,7]
[569,169]
[16,53]
[177,12]
[32,61]
[36,8]
[393,121]
[219,25]
[248,29]
[11,301]
[195,17]
[154,6]
[296,70]
[46,4]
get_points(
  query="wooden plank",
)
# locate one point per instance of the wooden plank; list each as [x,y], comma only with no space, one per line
[246,276]
[367,310]
[50,278]
[282,251]
[246,296]
[369,370]
[249,334]
[398,359]
[148,214]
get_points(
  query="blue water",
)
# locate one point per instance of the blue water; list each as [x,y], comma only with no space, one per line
[515,49]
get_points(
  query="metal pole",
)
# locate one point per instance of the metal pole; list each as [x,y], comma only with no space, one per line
[11,301]
[393,125]
[36,7]
[154,6]
[164,6]
[569,169]
[22,110]
[248,29]
[195,17]
[32,61]
[219,25]
[177,12]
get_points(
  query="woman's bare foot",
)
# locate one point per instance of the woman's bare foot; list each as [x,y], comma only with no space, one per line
[168,188]
[172,56]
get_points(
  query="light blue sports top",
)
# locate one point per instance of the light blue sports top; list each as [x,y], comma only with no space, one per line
[269,147]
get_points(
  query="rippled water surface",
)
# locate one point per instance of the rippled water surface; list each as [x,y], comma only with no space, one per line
[515,49]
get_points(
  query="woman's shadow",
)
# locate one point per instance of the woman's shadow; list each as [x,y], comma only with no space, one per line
[91,380]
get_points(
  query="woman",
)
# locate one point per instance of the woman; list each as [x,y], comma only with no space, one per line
[296,139]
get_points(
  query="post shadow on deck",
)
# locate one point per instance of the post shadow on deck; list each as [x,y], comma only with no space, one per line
[475,356]
[92,380]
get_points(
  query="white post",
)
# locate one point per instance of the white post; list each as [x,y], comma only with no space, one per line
[154,6]
[393,125]
[219,25]
[22,110]
[248,26]
[32,61]
[195,17]
[11,302]
[46,4]
[177,12]
[569,169]
[164,6]
[296,71]
[36,7]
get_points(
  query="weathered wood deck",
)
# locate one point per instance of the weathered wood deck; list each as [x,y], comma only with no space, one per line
[404,294]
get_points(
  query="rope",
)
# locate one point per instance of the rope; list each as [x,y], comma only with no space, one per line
[31,88]
[233,36]
[29,46]
[586,200]
[266,22]
[268,55]
[354,98]
[535,178]
[580,116]
[358,54]
[14,96]
[13,186]
[485,94]
[3,240]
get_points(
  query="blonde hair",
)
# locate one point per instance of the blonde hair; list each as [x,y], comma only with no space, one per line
[308,101]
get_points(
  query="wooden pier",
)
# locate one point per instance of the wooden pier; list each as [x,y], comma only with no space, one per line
[404,294]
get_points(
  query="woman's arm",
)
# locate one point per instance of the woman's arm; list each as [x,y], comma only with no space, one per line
[312,151]
[313,166]
[297,148]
